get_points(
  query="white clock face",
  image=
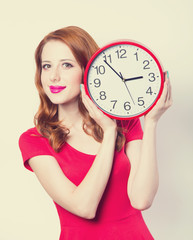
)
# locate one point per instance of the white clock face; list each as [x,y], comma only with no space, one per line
[124,80]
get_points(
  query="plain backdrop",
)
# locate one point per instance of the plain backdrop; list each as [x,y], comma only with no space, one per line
[166,27]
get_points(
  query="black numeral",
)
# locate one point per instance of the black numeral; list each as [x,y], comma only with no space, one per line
[103,95]
[152,77]
[106,58]
[114,103]
[136,56]
[140,101]
[121,53]
[127,106]
[97,82]
[146,66]
[149,91]
[99,69]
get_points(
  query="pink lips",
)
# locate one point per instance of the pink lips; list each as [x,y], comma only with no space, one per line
[56,89]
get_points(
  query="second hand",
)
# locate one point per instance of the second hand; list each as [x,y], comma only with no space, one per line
[127,88]
[129,92]
[120,75]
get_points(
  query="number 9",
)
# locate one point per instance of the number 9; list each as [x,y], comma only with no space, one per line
[97,82]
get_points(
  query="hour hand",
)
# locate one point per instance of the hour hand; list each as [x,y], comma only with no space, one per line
[134,78]
[118,74]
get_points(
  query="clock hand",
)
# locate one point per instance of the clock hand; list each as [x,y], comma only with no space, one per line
[120,75]
[129,92]
[134,78]
[126,87]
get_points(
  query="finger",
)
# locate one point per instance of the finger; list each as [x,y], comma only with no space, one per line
[170,98]
[169,95]
[84,97]
[170,90]
[90,104]
[169,102]
[85,102]
[164,92]
[166,86]
[91,107]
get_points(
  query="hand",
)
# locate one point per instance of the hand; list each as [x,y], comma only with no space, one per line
[129,93]
[100,118]
[134,78]
[163,103]
[120,75]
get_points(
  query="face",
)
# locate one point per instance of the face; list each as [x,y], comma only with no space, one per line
[61,75]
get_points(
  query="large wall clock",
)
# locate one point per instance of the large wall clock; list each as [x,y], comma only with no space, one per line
[124,79]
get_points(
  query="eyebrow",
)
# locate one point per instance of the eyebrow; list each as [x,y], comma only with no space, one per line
[61,60]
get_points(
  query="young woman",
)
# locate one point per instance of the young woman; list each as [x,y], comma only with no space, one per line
[100,173]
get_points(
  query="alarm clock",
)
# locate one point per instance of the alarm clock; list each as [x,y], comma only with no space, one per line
[124,79]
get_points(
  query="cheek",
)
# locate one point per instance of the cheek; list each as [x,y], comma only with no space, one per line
[43,79]
[78,76]
[43,83]
[73,78]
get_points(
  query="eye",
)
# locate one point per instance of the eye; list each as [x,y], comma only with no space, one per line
[67,65]
[46,66]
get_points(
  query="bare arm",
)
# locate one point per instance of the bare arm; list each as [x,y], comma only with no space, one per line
[143,180]
[81,200]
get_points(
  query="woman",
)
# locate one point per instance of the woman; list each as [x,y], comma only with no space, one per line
[100,173]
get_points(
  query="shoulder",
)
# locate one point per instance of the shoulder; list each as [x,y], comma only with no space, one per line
[30,133]
[31,144]
[32,138]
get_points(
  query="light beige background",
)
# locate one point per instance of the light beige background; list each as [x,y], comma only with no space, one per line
[166,27]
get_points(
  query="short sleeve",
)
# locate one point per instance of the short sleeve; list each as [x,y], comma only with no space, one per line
[32,144]
[133,129]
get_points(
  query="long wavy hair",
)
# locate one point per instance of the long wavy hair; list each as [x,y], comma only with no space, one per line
[46,119]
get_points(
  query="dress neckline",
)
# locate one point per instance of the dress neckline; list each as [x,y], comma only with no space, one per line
[73,148]
[78,151]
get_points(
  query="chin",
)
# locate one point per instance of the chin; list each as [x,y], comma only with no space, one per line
[62,101]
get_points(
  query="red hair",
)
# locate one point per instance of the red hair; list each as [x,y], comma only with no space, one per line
[46,120]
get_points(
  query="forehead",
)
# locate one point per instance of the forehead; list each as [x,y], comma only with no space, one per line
[56,50]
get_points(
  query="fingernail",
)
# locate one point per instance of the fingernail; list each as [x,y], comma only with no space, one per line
[81,87]
[167,74]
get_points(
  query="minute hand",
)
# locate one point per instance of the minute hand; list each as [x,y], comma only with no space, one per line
[114,70]
[134,78]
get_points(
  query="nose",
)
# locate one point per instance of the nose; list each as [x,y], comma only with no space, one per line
[55,75]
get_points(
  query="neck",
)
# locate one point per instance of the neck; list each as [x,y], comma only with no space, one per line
[69,114]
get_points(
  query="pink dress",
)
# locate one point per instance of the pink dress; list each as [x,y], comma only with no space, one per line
[116,219]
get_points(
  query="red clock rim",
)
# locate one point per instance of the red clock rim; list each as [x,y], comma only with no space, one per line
[128,42]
